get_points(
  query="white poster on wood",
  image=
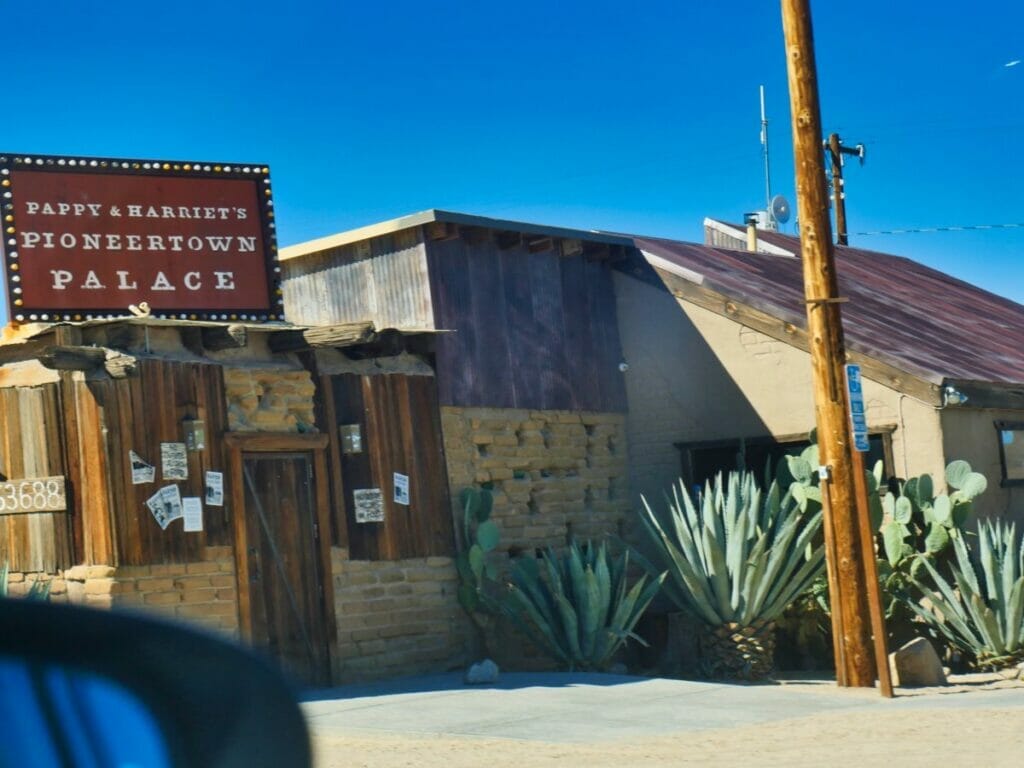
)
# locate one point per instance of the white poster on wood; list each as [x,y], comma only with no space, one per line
[165,505]
[142,471]
[192,510]
[369,504]
[401,489]
[215,489]
[174,461]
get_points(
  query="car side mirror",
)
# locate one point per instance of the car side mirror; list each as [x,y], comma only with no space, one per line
[83,687]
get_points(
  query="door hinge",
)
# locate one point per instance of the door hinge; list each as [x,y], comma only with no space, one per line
[316,530]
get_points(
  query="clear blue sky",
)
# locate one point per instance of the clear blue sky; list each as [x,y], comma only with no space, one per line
[639,117]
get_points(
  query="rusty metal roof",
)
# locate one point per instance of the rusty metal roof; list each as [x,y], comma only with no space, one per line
[916,318]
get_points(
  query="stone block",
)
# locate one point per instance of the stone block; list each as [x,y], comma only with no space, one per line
[207,567]
[77,573]
[155,585]
[132,571]
[191,582]
[161,598]
[99,586]
[204,609]
[199,595]
[916,663]
[167,570]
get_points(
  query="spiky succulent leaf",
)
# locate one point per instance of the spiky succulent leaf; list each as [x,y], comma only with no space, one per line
[577,607]
[752,554]
[982,611]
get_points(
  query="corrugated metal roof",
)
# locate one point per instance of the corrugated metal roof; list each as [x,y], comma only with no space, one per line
[899,311]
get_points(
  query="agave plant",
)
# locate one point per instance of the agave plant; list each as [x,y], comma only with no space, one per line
[39,590]
[982,613]
[735,561]
[581,610]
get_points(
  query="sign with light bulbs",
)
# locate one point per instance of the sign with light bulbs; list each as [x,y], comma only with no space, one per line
[88,238]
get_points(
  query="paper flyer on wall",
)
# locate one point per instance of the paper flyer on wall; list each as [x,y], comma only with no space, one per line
[192,510]
[142,471]
[369,504]
[401,489]
[174,461]
[165,505]
[215,489]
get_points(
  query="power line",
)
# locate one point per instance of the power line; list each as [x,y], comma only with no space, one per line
[961,228]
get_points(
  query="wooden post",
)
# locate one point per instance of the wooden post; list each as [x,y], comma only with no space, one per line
[838,198]
[850,608]
[867,538]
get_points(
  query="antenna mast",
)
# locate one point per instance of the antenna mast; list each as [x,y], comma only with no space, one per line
[767,169]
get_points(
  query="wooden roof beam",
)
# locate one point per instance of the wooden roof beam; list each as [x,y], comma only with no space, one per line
[343,335]
[224,337]
[539,244]
[440,230]
[508,239]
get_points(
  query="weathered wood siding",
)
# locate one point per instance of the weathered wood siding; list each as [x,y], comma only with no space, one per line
[383,280]
[401,431]
[138,414]
[31,445]
[531,330]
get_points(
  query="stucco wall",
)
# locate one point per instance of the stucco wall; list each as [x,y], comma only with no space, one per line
[695,375]
[970,434]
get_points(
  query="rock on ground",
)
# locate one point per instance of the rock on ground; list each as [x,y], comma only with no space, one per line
[482,673]
[916,663]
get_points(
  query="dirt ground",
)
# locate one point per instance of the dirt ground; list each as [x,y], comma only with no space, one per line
[989,738]
[968,736]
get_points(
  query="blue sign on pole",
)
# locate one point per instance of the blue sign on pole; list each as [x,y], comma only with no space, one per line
[858,419]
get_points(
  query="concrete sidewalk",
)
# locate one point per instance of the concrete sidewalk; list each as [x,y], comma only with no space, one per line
[587,708]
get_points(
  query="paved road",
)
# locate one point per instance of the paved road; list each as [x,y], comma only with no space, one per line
[590,708]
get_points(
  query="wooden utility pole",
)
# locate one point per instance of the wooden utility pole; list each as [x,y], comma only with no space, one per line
[845,548]
[836,151]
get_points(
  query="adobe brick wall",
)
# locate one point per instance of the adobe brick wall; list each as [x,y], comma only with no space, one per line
[202,593]
[269,400]
[554,474]
[396,617]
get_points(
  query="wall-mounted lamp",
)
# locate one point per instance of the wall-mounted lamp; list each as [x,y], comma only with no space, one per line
[195,434]
[953,396]
[351,438]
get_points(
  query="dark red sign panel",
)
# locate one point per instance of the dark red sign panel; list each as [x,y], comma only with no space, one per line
[89,238]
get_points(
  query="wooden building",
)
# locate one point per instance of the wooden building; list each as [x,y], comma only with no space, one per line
[95,405]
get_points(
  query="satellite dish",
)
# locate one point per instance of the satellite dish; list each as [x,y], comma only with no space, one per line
[779,209]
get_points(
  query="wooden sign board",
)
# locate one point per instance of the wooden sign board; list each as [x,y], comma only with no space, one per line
[33,494]
[88,238]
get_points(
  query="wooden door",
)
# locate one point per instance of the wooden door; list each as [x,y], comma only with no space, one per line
[285,604]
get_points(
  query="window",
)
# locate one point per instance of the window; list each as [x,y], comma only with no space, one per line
[702,461]
[1011,451]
